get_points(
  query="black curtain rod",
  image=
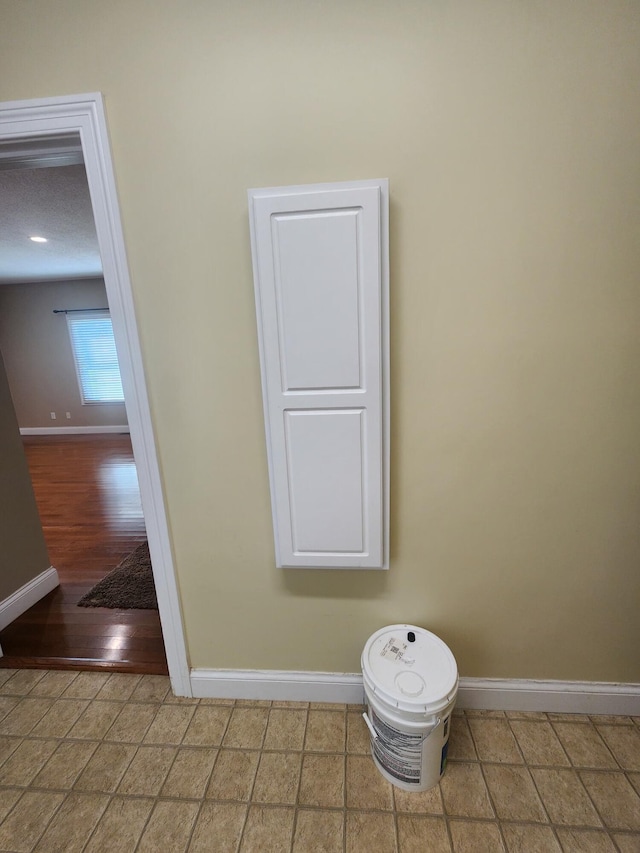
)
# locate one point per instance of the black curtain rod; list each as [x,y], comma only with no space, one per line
[73,310]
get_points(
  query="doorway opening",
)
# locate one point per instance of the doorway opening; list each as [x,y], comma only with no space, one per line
[34,123]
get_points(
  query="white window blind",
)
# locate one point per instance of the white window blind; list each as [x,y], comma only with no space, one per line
[94,352]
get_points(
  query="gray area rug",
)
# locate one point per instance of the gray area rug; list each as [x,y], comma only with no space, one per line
[127,587]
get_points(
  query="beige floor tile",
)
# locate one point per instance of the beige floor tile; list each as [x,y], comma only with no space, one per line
[28,820]
[322,781]
[8,745]
[190,773]
[418,802]
[170,699]
[615,799]
[624,743]
[246,728]
[7,704]
[366,786]
[60,717]
[119,685]
[120,826]
[8,798]
[569,718]
[295,706]
[328,706]
[25,716]
[233,775]
[26,762]
[464,791]
[634,778]
[223,822]
[460,742]
[285,729]
[70,829]
[628,843]
[564,797]
[268,828]
[583,745]
[320,831]
[611,720]
[325,731]
[366,832]
[132,723]
[106,767]
[585,841]
[96,720]
[170,724]
[147,772]
[538,716]
[23,681]
[207,726]
[277,778]
[494,741]
[5,675]
[65,765]
[539,743]
[210,700]
[422,835]
[525,838]
[53,684]
[358,737]
[484,714]
[253,703]
[473,837]
[151,688]
[513,793]
[169,827]
[86,685]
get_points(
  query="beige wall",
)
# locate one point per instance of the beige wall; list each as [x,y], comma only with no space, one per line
[509,132]
[38,356]
[23,554]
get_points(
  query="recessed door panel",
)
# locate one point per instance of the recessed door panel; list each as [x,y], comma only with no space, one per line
[316,275]
[325,468]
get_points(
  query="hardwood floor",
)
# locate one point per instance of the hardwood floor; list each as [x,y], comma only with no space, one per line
[86,488]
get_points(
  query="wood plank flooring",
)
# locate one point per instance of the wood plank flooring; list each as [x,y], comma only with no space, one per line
[86,488]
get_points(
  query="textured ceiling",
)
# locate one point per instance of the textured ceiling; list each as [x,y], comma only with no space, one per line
[51,202]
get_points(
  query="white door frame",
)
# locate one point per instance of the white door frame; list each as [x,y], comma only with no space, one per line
[85,114]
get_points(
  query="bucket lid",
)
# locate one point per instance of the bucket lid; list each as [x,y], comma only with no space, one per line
[410,668]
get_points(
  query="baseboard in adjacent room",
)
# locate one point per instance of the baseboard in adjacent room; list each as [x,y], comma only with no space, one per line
[28,595]
[73,430]
[510,694]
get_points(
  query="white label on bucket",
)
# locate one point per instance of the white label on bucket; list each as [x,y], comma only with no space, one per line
[394,650]
[398,752]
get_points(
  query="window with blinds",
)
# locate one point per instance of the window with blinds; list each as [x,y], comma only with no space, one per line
[94,352]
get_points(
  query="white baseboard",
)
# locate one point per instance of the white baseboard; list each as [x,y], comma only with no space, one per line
[275,684]
[28,595]
[563,697]
[72,430]
[509,694]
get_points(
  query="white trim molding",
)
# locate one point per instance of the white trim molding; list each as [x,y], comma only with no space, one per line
[84,115]
[562,697]
[285,685]
[29,594]
[74,430]
[509,694]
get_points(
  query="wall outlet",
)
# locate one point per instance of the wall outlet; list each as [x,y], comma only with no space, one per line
[68,416]
[53,416]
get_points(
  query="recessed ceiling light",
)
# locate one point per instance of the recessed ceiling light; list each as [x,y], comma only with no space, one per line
[38,239]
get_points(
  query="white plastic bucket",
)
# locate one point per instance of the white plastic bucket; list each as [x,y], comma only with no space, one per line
[410,684]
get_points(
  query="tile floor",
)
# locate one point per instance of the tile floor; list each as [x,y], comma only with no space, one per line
[97,762]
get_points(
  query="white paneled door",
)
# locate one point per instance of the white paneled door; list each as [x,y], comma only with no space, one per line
[320,261]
